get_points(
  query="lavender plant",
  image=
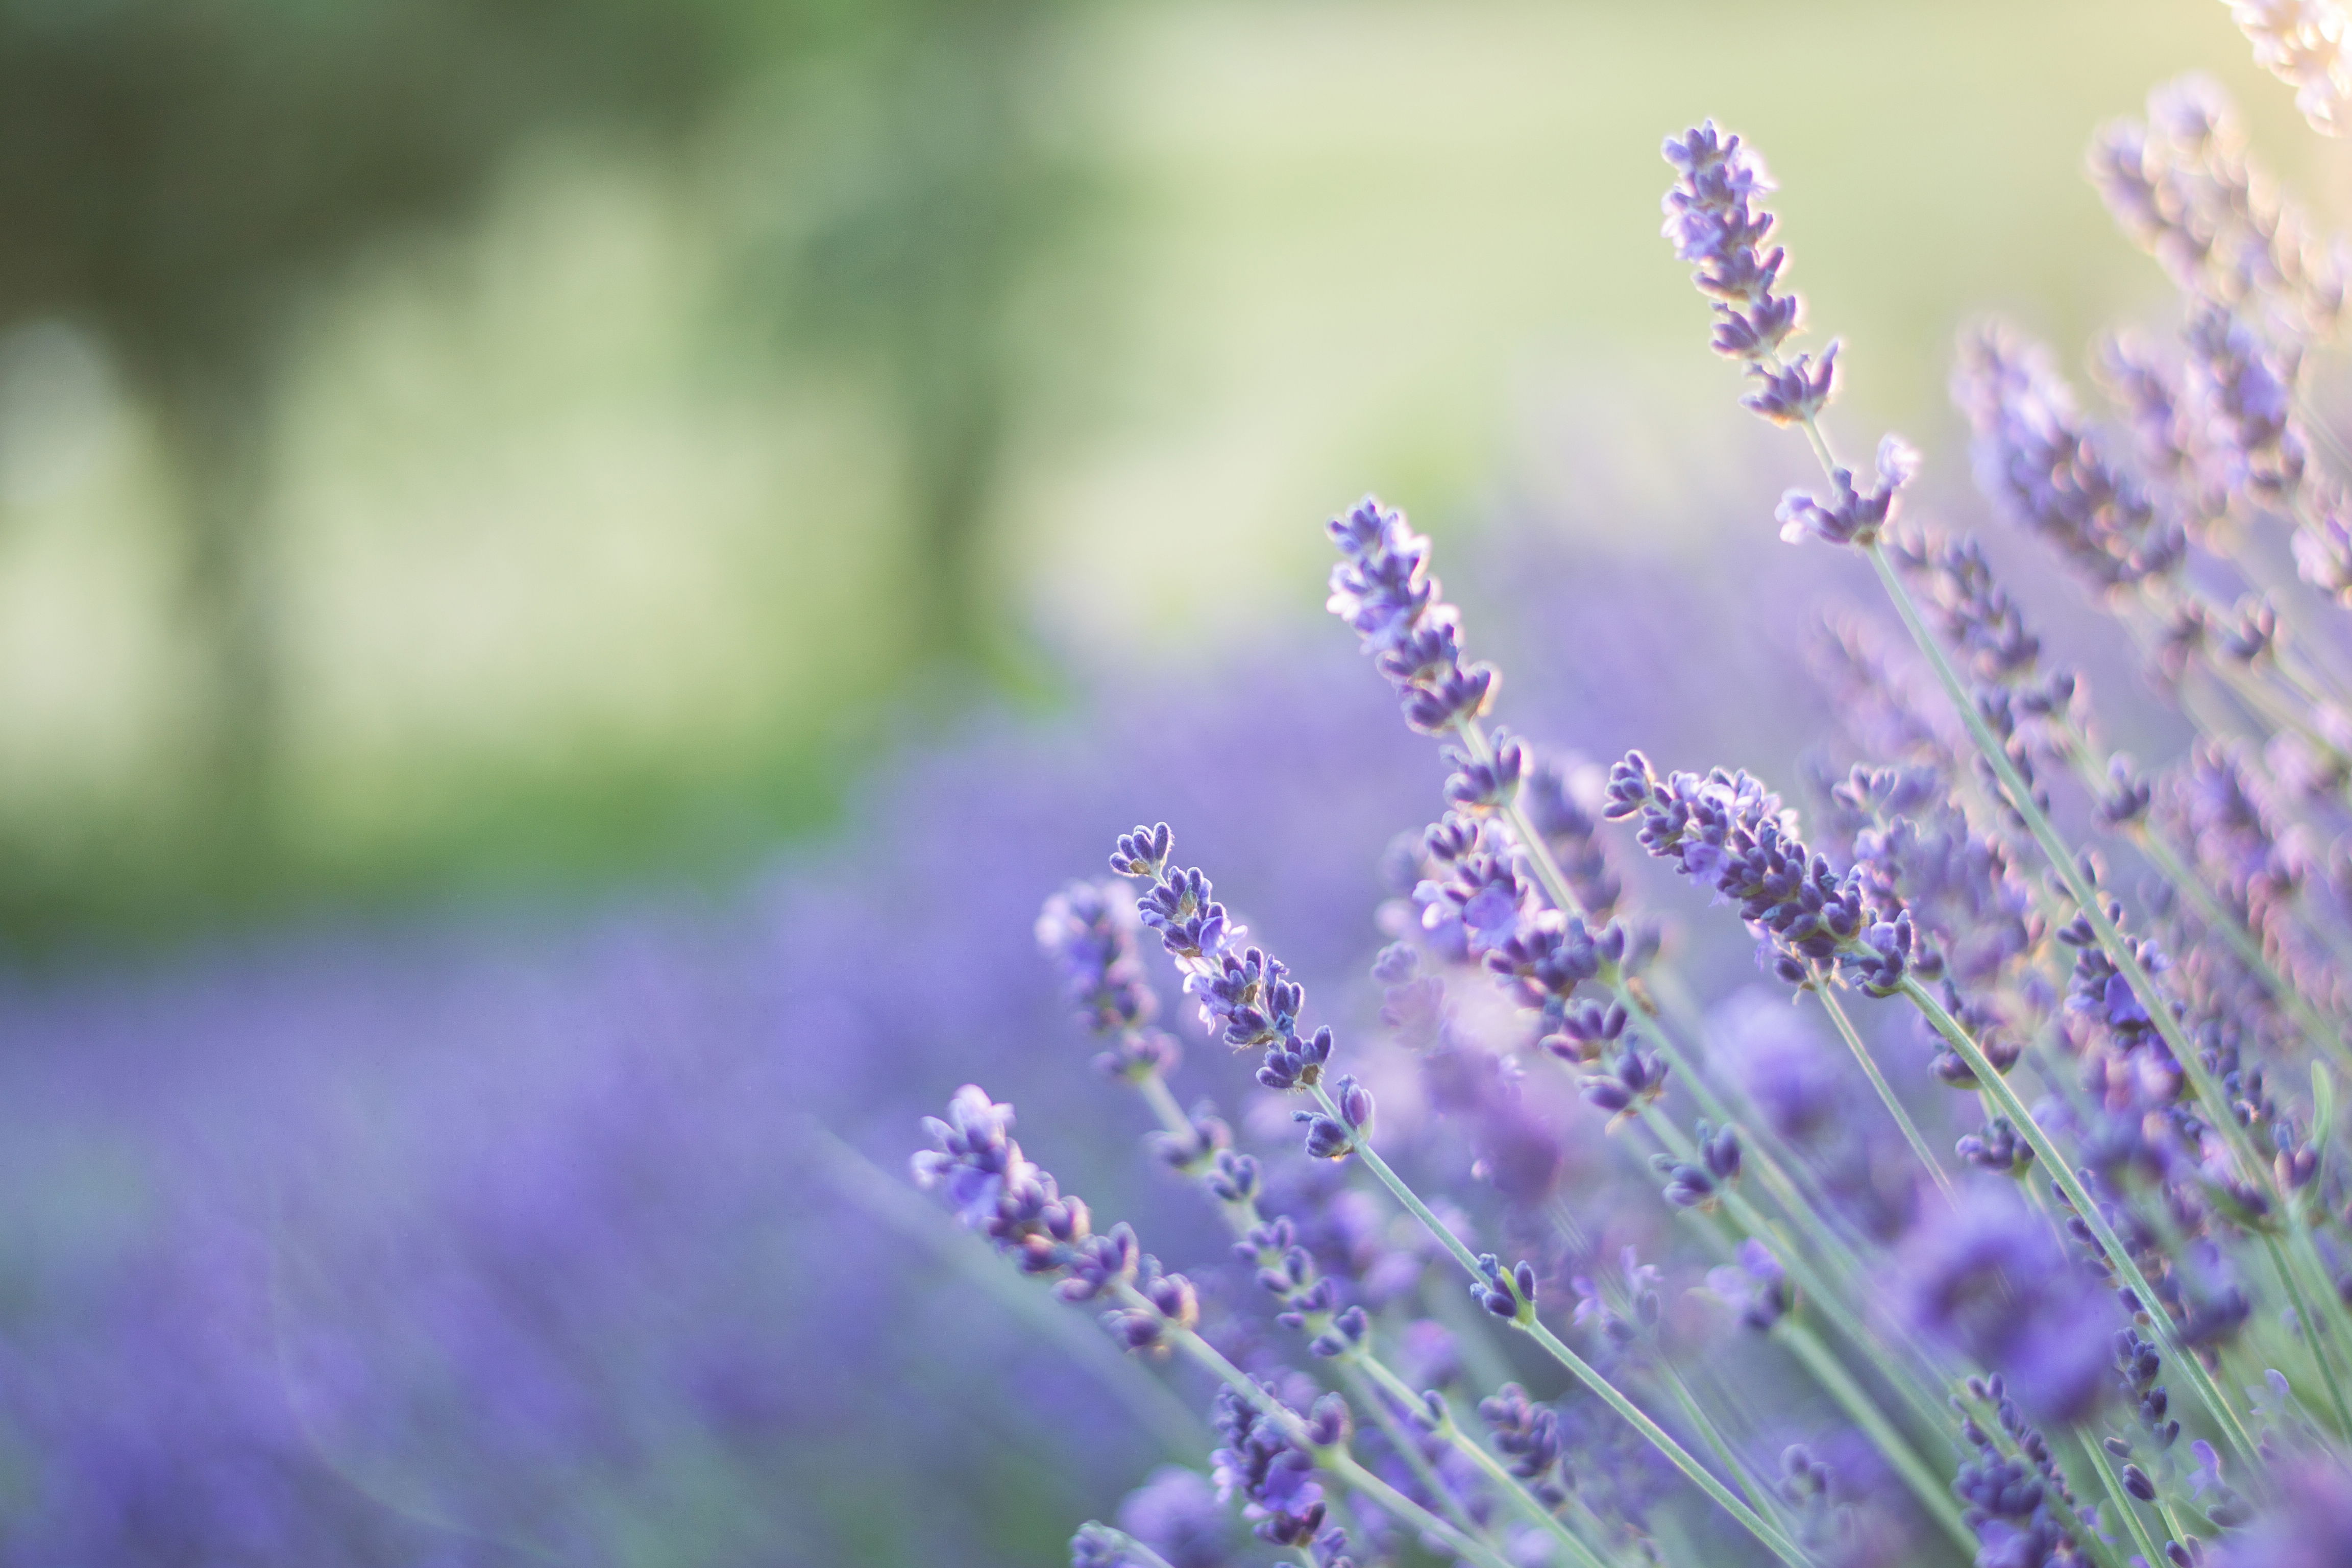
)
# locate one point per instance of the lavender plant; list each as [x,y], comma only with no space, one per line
[2054,1269]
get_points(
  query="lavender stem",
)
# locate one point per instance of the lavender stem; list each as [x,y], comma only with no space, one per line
[1911,1134]
[1337,1460]
[2118,1255]
[2120,1499]
[1577,1367]
[1476,1453]
[1933,1492]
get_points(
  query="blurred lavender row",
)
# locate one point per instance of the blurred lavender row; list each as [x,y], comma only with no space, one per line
[513,1240]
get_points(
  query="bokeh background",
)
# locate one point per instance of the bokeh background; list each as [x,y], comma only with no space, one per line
[571,574]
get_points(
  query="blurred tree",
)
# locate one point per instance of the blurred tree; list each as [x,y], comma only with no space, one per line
[917,226]
[183,177]
[186,179]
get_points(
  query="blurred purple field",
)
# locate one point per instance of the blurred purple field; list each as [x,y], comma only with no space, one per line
[519,1239]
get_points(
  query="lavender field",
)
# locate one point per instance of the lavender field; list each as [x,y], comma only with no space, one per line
[863,983]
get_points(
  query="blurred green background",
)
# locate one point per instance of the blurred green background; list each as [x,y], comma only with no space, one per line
[452,446]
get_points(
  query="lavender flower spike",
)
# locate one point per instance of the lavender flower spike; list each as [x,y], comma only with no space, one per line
[1246,997]
[1088,930]
[2037,459]
[1714,219]
[1381,586]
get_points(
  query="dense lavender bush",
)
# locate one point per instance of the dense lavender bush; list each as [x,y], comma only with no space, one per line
[2000,1213]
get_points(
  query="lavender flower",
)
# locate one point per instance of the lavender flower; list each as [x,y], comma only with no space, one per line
[1988,1279]
[537,1246]
[1274,1476]
[2243,391]
[2018,1501]
[1244,997]
[1528,1436]
[1757,1288]
[2182,185]
[1176,1513]
[1728,832]
[1848,516]
[1089,929]
[2038,459]
[2302,43]
[1713,220]
[1383,588]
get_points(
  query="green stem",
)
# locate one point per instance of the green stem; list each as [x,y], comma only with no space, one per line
[1850,1396]
[2119,1257]
[1933,1492]
[2062,860]
[2313,1338]
[1336,1459]
[2119,1499]
[1156,1094]
[1818,1291]
[1764,1155]
[1842,1317]
[1770,1173]
[2211,1100]
[2171,1517]
[1582,1370]
[1711,1433]
[1407,1447]
[1577,1366]
[1911,1134]
[2053,848]
[1361,1363]
[1511,1485]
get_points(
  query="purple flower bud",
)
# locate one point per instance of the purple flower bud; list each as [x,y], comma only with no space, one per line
[1325,1139]
[1328,1422]
[1355,1102]
[1796,392]
[1142,853]
[1721,1153]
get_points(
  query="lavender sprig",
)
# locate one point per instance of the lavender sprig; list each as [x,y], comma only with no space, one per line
[1701,1173]
[999,1192]
[2180,183]
[1728,832]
